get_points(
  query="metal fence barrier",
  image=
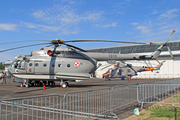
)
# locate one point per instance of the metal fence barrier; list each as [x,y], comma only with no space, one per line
[158,93]
[123,95]
[98,103]
[26,108]
[83,104]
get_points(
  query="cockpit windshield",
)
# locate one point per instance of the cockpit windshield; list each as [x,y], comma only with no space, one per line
[18,64]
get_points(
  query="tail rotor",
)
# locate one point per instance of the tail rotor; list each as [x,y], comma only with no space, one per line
[165,44]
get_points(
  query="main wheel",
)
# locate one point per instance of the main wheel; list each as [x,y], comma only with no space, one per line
[64,85]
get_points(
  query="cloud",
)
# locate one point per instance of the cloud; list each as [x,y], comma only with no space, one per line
[63,18]
[114,24]
[49,28]
[8,27]
[40,27]
[144,29]
[65,15]
[155,12]
[169,14]
[134,23]
[6,57]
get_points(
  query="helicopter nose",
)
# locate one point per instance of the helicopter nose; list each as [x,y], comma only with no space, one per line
[10,71]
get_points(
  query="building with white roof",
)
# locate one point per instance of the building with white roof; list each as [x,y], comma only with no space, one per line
[170,69]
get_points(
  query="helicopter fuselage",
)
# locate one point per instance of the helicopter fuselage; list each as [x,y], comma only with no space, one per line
[63,64]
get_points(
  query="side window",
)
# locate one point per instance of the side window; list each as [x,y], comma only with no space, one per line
[53,65]
[30,64]
[36,64]
[68,65]
[59,65]
[44,64]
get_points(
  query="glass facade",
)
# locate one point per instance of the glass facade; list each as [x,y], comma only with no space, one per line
[174,46]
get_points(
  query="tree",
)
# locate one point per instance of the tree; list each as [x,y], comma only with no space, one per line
[2,67]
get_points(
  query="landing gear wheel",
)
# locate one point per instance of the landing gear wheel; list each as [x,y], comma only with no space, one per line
[64,85]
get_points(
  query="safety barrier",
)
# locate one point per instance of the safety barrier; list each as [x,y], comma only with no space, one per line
[98,103]
[35,107]
[83,104]
[123,95]
[158,93]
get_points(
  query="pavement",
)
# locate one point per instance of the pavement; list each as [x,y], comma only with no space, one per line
[13,89]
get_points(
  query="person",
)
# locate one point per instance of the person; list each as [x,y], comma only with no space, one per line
[1,77]
[4,77]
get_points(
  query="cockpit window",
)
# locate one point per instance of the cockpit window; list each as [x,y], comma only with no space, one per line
[14,64]
[18,64]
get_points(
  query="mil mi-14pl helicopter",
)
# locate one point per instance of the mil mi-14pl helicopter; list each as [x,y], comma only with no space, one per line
[123,70]
[64,64]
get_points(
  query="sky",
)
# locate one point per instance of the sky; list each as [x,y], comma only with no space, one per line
[125,20]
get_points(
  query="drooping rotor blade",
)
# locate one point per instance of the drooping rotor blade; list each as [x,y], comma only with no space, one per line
[23,41]
[74,47]
[23,47]
[171,35]
[170,52]
[103,41]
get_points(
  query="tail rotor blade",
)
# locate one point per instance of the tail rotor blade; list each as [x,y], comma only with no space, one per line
[171,35]
[170,53]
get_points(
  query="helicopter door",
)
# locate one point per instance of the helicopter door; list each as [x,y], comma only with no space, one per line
[30,67]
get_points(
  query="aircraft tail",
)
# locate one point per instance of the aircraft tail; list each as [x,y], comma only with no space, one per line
[158,51]
[155,68]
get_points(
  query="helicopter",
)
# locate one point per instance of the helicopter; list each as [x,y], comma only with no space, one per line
[123,70]
[67,64]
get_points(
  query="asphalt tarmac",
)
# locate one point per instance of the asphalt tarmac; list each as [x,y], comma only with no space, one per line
[13,89]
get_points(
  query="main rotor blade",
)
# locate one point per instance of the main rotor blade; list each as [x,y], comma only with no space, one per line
[156,43]
[74,47]
[103,41]
[23,41]
[170,52]
[23,47]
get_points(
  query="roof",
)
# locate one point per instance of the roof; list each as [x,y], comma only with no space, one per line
[146,48]
[7,62]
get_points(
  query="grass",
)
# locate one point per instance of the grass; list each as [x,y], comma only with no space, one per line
[164,112]
[142,114]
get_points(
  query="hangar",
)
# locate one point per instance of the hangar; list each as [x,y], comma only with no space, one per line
[170,69]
